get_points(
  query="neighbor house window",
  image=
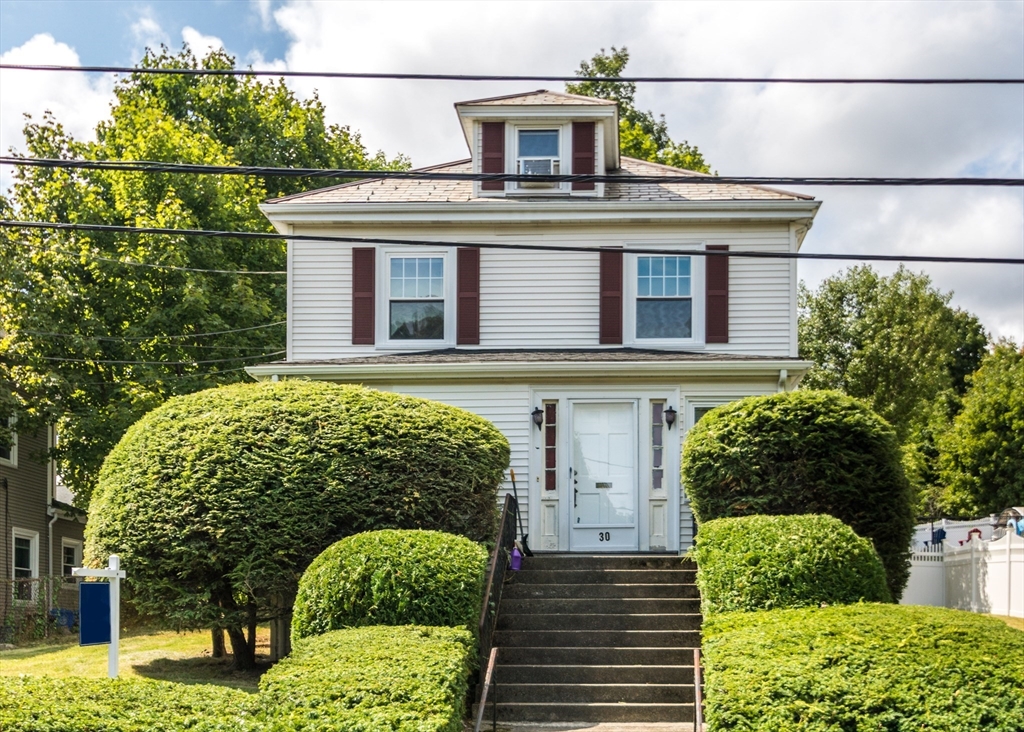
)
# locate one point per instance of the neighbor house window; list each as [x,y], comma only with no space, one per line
[416,298]
[664,298]
[71,557]
[538,154]
[9,448]
[26,564]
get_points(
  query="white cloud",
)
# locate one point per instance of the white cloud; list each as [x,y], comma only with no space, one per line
[78,101]
[147,33]
[263,9]
[201,45]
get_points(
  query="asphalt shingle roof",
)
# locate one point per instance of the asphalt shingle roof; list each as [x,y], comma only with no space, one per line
[605,355]
[461,191]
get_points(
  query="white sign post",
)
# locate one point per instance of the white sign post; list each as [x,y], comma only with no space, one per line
[114,574]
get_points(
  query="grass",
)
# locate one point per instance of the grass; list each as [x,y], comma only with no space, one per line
[1017,623]
[183,658]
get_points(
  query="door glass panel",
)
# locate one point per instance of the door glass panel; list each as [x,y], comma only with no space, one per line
[604,466]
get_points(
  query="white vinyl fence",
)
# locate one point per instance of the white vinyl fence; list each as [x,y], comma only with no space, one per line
[980,576]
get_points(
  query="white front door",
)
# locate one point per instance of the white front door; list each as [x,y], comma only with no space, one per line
[603,476]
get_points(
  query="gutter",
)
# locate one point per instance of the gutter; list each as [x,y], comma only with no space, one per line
[532,371]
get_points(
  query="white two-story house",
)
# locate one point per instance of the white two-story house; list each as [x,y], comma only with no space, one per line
[593,359]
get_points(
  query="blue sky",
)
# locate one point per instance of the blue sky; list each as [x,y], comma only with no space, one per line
[102,30]
[742,130]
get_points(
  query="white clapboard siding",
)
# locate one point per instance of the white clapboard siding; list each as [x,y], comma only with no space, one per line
[531,299]
[538,299]
[507,407]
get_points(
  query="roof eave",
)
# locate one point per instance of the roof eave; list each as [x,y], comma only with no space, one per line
[530,370]
[500,210]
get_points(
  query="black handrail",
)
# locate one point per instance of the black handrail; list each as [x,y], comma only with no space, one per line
[500,560]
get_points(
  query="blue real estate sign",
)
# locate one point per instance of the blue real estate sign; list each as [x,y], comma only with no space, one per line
[93,613]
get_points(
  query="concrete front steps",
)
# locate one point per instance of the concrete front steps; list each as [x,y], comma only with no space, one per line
[600,638]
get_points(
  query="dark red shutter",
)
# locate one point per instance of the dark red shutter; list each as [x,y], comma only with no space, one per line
[363,260]
[467,332]
[611,297]
[493,156]
[717,299]
[583,153]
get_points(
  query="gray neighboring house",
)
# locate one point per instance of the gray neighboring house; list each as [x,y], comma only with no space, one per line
[42,531]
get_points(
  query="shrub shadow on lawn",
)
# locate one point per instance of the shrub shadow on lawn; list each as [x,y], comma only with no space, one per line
[203,670]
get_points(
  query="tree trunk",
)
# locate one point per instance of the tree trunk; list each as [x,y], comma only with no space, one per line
[244,659]
[252,633]
[218,643]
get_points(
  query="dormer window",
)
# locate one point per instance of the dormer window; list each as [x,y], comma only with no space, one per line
[538,154]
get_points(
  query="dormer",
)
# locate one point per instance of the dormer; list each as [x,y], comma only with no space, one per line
[541,133]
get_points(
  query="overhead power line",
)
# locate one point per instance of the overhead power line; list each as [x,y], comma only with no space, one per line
[156,337]
[56,226]
[161,363]
[150,166]
[515,77]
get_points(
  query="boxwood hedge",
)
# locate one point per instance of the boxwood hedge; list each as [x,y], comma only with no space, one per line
[804,452]
[218,500]
[391,577]
[897,668]
[372,679]
[43,704]
[770,562]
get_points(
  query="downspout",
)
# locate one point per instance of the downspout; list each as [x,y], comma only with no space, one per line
[783,379]
[50,511]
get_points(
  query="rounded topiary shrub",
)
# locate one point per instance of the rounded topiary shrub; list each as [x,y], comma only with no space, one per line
[391,578]
[218,500]
[804,452]
[771,562]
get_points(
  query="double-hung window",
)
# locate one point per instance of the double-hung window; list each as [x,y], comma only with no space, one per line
[26,564]
[9,447]
[664,298]
[416,297]
[71,557]
[538,153]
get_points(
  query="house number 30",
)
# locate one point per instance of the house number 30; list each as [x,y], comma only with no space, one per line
[604,536]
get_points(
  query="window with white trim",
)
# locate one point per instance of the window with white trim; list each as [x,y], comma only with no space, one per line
[663,296]
[71,557]
[9,448]
[538,152]
[416,298]
[25,563]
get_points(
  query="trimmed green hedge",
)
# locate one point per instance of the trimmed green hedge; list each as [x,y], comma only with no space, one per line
[218,500]
[373,679]
[893,668]
[804,452]
[43,704]
[391,577]
[772,562]
[407,678]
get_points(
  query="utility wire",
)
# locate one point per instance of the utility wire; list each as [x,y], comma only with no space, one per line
[513,77]
[147,338]
[151,166]
[494,245]
[128,262]
[161,363]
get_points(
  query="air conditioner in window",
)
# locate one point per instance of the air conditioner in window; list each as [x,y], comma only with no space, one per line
[538,166]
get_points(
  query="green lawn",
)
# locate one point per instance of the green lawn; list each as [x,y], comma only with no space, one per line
[165,655]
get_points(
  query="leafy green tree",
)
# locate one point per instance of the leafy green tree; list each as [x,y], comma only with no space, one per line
[641,134]
[896,343]
[71,308]
[982,457]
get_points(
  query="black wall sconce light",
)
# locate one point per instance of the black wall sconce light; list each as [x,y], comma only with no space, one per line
[670,417]
[538,417]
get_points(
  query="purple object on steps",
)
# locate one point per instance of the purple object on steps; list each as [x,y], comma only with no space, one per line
[517,559]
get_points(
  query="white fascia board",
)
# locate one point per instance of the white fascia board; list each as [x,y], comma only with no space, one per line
[525,370]
[518,212]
